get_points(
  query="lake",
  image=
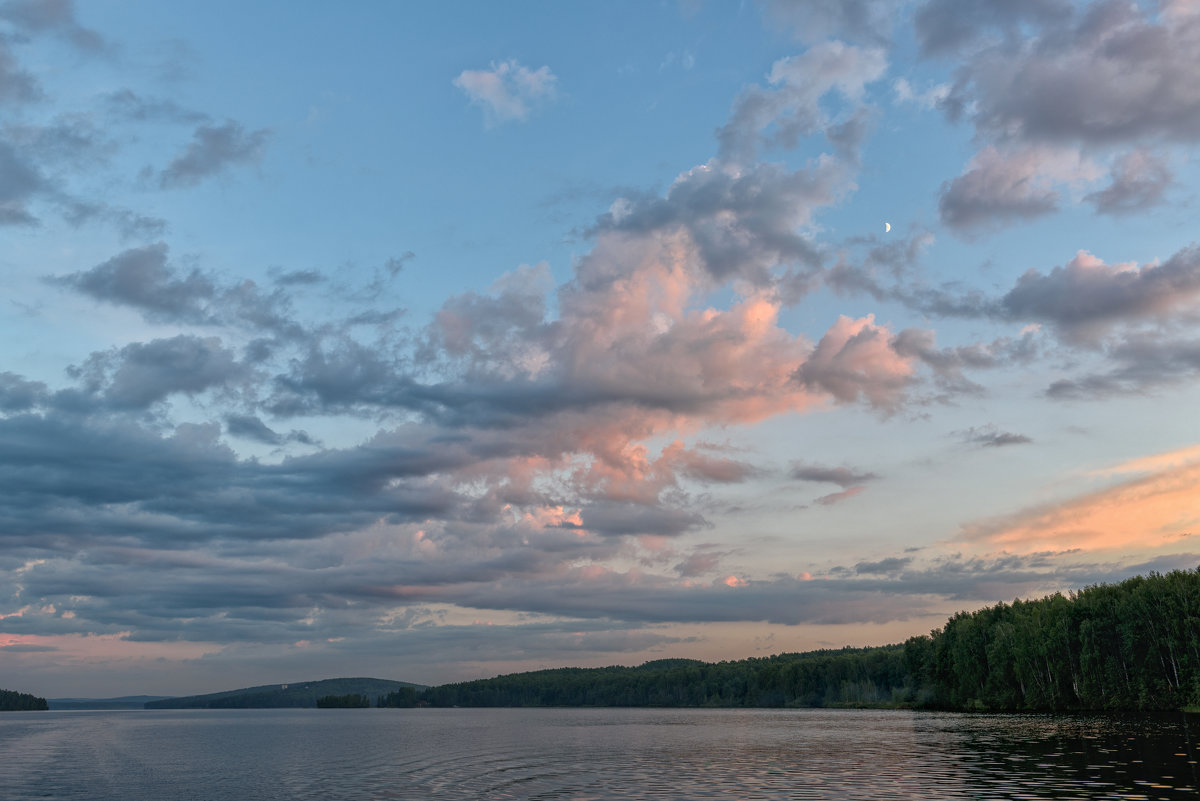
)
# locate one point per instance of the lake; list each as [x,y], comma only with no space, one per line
[592,754]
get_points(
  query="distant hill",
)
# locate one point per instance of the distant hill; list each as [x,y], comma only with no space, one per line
[124,702]
[276,696]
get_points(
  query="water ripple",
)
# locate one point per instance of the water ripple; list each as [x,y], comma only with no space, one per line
[591,755]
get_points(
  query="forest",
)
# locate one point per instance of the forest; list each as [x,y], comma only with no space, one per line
[351,701]
[11,701]
[1128,646]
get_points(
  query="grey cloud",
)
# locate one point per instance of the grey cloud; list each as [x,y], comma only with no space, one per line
[51,16]
[131,106]
[994,192]
[844,477]
[618,519]
[990,436]
[703,467]
[780,116]
[213,149]
[1040,79]
[1085,79]
[847,137]
[16,85]
[784,600]
[249,426]
[18,394]
[699,563]
[743,222]
[299,277]
[144,373]
[892,564]
[395,264]
[1085,298]
[20,182]
[814,20]
[140,277]
[68,482]
[943,26]
[1139,182]
[129,224]
[69,139]
[1142,362]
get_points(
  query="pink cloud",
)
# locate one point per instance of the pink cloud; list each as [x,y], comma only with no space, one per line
[837,497]
[1160,505]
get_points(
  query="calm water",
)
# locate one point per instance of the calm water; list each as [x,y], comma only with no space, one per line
[244,755]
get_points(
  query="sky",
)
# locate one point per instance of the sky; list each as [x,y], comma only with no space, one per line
[437,341]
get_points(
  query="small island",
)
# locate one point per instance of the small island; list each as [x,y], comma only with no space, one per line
[11,701]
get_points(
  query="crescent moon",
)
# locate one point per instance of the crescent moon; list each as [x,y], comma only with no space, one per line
[887,227]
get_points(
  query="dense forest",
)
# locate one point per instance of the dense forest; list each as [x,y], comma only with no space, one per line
[351,701]
[1133,645]
[20,702]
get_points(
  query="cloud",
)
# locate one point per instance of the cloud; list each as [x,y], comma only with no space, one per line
[945,26]
[141,374]
[999,187]
[128,223]
[780,116]
[890,565]
[20,182]
[1139,181]
[1159,506]
[51,16]
[990,436]
[129,105]
[16,84]
[857,359]
[507,91]
[1085,299]
[213,149]
[250,427]
[844,477]
[927,99]
[741,221]
[1042,79]
[144,279]
[699,563]
[1087,77]
[838,497]
[1141,362]
[814,20]
[140,277]
[18,394]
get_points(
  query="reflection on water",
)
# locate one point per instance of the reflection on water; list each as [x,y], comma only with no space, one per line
[591,754]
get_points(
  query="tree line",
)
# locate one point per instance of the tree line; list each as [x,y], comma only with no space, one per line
[1132,645]
[11,701]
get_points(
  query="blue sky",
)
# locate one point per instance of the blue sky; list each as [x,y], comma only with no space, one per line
[437,341]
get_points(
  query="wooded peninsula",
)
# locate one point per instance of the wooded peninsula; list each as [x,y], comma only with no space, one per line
[11,701]
[1128,646]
